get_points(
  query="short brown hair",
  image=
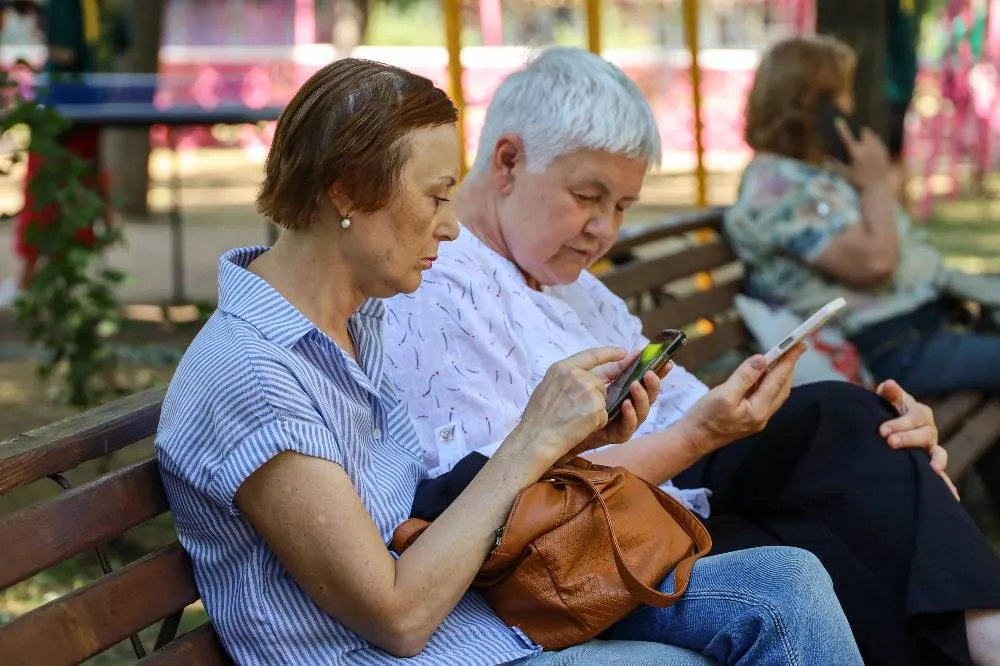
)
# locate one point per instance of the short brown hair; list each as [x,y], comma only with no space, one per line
[345,126]
[792,77]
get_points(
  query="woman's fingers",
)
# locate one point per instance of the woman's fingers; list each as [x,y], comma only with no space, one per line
[939,459]
[651,384]
[951,486]
[621,429]
[921,437]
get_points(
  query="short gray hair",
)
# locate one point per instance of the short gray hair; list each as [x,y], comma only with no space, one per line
[568,99]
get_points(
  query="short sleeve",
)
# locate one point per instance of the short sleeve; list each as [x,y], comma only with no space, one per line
[818,211]
[790,208]
[267,441]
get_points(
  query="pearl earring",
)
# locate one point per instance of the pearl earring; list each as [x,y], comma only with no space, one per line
[344,223]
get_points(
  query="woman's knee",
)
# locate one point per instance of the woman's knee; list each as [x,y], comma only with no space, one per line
[785,589]
[798,597]
[793,569]
[782,575]
[844,404]
[836,392]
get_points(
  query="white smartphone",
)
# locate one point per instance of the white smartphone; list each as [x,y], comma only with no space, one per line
[804,330]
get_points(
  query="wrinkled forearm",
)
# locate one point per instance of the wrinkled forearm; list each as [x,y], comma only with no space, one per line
[657,457]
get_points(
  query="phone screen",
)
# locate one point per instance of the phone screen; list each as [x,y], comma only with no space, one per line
[653,357]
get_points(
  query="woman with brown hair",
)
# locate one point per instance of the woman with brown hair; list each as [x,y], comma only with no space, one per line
[817,218]
[811,228]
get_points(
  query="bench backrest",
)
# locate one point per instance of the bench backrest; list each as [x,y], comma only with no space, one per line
[114,607]
[679,273]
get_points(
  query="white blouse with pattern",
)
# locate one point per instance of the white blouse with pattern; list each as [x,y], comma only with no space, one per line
[468,347]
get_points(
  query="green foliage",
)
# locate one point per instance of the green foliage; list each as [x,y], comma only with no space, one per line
[70,307]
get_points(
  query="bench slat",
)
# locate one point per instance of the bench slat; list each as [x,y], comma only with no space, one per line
[103,613]
[726,337]
[642,276]
[686,310]
[47,533]
[630,238]
[951,412]
[65,444]
[199,647]
[979,433]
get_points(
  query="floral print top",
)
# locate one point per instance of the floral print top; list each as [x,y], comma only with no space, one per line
[786,215]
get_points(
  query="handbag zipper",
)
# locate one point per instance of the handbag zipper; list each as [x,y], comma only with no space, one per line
[498,534]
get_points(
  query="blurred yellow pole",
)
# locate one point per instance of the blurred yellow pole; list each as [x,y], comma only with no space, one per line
[453,37]
[594,26]
[691,33]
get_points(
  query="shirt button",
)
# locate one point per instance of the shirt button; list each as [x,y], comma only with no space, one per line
[823,208]
[377,433]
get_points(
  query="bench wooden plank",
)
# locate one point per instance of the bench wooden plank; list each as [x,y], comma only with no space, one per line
[90,620]
[630,238]
[727,336]
[980,432]
[40,536]
[951,412]
[699,305]
[642,276]
[199,647]
[65,444]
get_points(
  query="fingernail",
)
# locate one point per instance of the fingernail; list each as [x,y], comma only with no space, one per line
[757,363]
[885,431]
[894,441]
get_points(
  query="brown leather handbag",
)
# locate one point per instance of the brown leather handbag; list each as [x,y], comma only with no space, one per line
[581,549]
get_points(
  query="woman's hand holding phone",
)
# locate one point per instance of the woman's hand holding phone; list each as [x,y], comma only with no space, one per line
[743,404]
[870,165]
[642,394]
[567,411]
[634,411]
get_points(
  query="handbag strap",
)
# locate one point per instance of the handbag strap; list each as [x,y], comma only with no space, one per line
[641,591]
[404,535]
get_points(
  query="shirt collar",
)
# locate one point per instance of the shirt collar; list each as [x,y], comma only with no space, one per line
[249,297]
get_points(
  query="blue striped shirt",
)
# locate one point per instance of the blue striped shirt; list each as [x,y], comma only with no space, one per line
[260,379]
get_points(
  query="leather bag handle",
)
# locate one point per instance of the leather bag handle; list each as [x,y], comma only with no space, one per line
[641,591]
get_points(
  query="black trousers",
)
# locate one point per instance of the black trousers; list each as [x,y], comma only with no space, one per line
[905,557]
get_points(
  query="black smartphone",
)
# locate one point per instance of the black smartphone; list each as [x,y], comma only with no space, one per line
[826,131]
[653,357]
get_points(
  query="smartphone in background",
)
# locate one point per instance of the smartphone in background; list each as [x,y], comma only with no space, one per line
[653,357]
[804,330]
[826,131]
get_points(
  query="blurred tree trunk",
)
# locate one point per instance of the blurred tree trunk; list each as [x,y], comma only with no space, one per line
[862,25]
[350,20]
[127,150]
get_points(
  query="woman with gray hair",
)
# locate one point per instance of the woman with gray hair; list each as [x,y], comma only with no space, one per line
[565,148]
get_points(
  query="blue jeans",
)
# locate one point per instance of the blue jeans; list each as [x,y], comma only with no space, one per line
[619,653]
[760,606]
[943,362]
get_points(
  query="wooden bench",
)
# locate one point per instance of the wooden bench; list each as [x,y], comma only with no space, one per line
[657,269]
[115,607]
